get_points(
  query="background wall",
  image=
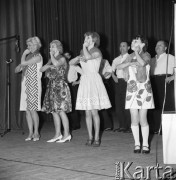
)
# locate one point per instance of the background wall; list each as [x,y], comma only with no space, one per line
[68,20]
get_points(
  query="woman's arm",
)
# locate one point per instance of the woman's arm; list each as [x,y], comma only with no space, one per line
[142,60]
[114,77]
[60,62]
[33,60]
[74,61]
[45,67]
[90,56]
[124,65]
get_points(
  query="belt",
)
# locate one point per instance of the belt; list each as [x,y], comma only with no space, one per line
[121,79]
[162,75]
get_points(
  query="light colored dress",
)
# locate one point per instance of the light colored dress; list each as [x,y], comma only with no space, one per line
[139,95]
[92,93]
[23,97]
[31,88]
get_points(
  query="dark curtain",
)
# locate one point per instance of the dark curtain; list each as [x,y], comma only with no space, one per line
[114,20]
[16,18]
[68,20]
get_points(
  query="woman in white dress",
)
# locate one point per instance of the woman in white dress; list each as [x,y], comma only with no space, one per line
[31,62]
[139,96]
[92,95]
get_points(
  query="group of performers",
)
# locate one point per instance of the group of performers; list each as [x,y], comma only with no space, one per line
[130,72]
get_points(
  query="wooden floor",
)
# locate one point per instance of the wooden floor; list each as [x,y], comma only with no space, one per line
[20,160]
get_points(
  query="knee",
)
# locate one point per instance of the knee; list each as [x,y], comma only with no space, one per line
[143,124]
[28,113]
[95,113]
[88,115]
[134,123]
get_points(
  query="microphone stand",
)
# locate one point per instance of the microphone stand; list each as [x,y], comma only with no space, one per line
[8,84]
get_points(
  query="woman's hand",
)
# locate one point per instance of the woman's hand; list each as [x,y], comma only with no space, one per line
[18,68]
[52,66]
[114,78]
[169,79]
[85,44]
[107,75]
[137,50]
[26,52]
[134,64]
[82,58]
[75,83]
[51,53]
[45,67]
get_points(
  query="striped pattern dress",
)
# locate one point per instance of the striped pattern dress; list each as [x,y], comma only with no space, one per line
[33,85]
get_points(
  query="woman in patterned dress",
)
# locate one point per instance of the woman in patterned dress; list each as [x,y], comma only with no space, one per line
[57,98]
[31,62]
[139,96]
[92,95]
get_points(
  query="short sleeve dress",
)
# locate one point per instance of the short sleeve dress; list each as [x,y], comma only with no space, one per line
[92,93]
[139,94]
[57,97]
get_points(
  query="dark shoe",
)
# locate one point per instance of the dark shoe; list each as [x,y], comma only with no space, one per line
[108,129]
[115,130]
[121,130]
[89,142]
[96,143]
[127,131]
[156,132]
[137,149]
[145,151]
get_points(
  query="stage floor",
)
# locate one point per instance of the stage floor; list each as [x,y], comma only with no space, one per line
[20,160]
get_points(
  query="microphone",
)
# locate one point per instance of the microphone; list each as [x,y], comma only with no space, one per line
[17,43]
[9,61]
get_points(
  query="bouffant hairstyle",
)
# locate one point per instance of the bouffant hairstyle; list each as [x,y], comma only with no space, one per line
[34,40]
[58,45]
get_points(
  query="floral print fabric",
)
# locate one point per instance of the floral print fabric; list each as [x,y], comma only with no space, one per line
[57,97]
[139,95]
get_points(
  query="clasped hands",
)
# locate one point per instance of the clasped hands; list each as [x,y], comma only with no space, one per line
[82,58]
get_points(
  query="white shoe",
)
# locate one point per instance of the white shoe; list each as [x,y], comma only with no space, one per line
[28,139]
[55,139]
[68,138]
[36,138]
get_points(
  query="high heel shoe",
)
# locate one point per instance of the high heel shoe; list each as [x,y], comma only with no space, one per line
[145,151]
[37,138]
[96,143]
[137,149]
[89,142]
[68,138]
[55,139]
[28,138]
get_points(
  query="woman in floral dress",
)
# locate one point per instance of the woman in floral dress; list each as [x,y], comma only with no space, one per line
[57,98]
[139,96]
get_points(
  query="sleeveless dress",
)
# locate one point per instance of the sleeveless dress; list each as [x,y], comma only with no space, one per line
[57,97]
[139,95]
[23,96]
[92,93]
[31,88]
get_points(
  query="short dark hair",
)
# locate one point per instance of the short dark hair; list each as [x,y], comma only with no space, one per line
[143,40]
